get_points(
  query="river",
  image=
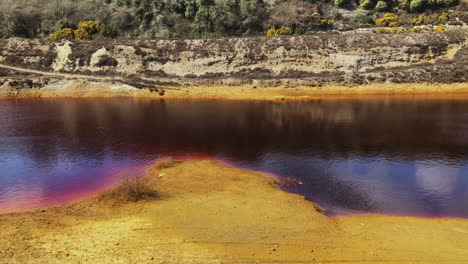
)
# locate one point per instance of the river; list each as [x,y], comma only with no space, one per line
[379,155]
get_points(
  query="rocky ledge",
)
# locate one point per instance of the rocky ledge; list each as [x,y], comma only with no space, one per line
[313,59]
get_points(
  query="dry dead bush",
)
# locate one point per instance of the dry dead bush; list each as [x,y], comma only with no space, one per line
[132,188]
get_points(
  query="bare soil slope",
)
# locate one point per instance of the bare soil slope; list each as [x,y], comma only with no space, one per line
[287,61]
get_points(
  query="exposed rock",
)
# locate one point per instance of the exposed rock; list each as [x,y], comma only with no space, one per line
[62,61]
[320,58]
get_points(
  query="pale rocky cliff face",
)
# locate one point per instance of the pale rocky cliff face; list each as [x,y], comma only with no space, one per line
[357,58]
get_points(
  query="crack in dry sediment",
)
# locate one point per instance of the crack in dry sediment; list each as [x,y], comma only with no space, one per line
[210,213]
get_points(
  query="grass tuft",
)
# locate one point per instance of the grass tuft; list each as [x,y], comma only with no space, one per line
[132,188]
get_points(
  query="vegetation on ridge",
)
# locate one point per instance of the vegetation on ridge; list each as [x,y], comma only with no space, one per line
[203,18]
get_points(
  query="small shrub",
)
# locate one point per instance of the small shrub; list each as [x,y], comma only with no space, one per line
[383,30]
[417,30]
[416,5]
[324,23]
[108,32]
[444,17]
[404,4]
[66,33]
[341,3]
[90,27]
[131,189]
[271,32]
[81,34]
[421,20]
[86,30]
[284,31]
[320,23]
[396,30]
[439,28]
[107,61]
[393,30]
[381,6]
[389,19]
[366,4]
[364,19]
[277,32]
[445,3]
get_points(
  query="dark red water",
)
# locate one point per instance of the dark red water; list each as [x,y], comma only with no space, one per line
[390,156]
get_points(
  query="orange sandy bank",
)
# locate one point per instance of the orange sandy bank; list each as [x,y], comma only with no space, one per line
[269,92]
[210,213]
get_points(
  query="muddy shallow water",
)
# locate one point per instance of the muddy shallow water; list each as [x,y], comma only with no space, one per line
[391,156]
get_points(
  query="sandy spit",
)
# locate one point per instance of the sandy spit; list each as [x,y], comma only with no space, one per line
[210,213]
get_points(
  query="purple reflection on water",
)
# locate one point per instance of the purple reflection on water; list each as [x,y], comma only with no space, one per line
[404,157]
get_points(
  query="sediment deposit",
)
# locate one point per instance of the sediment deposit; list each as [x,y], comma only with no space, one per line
[209,213]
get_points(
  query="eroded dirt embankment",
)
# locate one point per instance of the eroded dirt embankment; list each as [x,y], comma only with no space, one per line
[208,213]
[312,61]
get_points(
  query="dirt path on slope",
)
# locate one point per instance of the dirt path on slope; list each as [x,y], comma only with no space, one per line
[62,75]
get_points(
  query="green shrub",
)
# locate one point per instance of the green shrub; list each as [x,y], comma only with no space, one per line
[86,30]
[381,6]
[366,4]
[364,19]
[383,30]
[417,5]
[108,32]
[183,18]
[421,20]
[445,3]
[389,19]
[404,4]
[417,30]
[90,27]
[439,28]
[81,34]
[66,33]
[393,30]
[396,30]
[340,3]
[444,17]
[272,32]
[284,31]
[325,23]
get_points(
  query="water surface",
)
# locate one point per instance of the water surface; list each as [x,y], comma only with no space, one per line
[390,156]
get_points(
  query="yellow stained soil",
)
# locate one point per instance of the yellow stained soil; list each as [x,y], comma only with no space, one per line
[210,213]
[332,91]
[83,89]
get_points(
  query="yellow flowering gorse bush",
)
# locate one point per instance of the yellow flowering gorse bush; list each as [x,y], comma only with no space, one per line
[86,30]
